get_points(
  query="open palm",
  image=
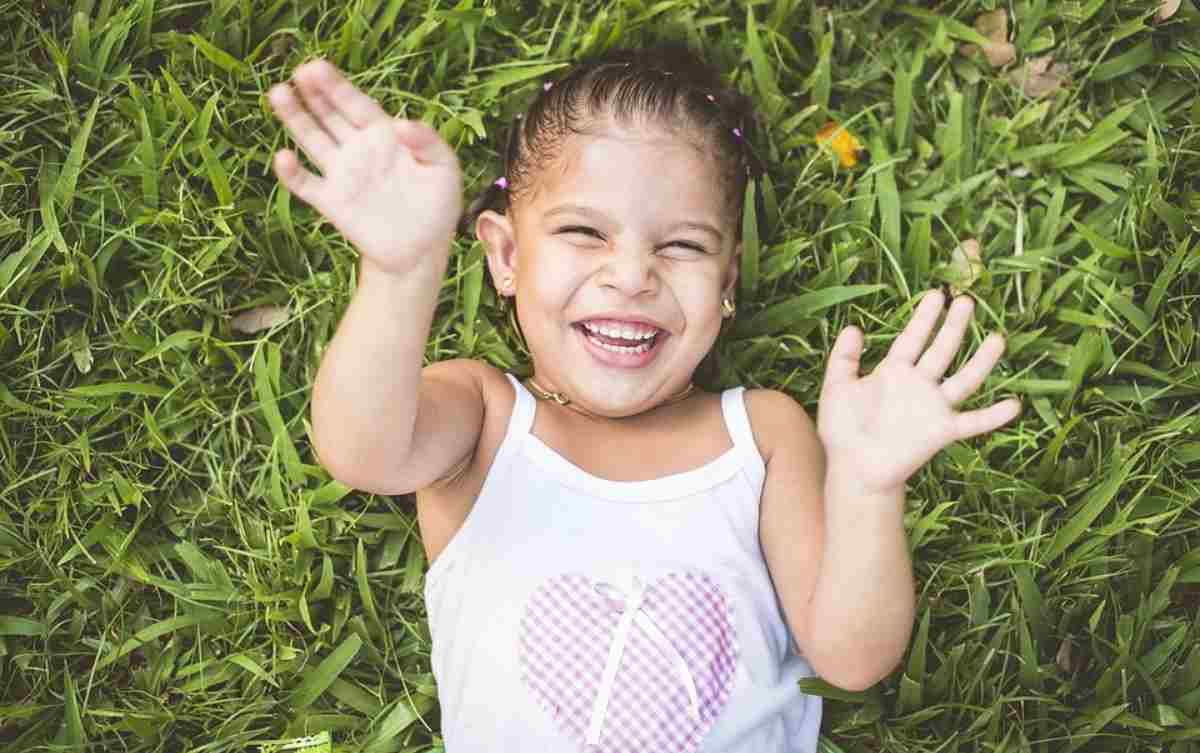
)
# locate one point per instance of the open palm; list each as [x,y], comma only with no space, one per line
[880,429]
[392,187]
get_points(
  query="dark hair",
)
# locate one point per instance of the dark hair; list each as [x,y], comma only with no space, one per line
[666,84]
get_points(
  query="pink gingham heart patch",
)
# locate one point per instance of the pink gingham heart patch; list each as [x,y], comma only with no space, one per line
[653,702]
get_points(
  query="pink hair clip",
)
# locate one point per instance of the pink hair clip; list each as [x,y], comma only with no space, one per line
[502,182]
[546,86]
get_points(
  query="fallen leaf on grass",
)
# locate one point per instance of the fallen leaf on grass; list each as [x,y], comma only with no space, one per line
[998,50]
[1038,77]
[1068,660]
[1063,657]
[1166,9]
[83,356]
[842,142]
[257,319]
[965,266]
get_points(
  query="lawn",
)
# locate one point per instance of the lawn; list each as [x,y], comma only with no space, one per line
[177,573]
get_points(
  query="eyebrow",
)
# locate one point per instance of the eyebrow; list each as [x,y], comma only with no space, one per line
[581,209]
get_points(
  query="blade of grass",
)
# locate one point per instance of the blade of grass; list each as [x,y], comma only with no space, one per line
[317,681]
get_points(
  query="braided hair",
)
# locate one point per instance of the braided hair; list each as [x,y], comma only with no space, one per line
[666,84]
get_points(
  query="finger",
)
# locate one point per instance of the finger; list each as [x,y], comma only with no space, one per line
[310,136]
[973,423]
[295,178]
[355,106]
[426,145]
[908,345]
[940,354]
[844,357]
[958,387]
[312,78]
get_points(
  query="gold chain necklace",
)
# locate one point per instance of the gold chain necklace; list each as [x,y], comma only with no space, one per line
[562,399]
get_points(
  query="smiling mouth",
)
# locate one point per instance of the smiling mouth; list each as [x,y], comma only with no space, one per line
[645,343]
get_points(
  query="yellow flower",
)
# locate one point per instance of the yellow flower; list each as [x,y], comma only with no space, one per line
[842,142]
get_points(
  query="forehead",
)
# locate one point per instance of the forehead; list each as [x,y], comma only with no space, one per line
[635,174]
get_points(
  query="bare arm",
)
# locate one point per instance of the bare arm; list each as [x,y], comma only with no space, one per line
[394,189]
[381,423]
[838,559]
[860,615]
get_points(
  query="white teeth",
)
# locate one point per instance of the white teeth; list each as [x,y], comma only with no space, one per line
[621,348]
[625,332]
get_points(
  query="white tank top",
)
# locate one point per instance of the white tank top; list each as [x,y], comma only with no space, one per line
[575,614]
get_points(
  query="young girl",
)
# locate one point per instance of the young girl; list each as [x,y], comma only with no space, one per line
[620,561]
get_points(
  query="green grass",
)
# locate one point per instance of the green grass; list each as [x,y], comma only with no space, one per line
[178,574]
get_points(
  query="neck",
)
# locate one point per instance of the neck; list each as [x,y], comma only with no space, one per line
[563,399]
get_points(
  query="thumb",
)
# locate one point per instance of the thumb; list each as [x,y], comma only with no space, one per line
[843,359]
[426,144]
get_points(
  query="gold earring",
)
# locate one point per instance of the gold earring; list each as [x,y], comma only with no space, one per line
[727,307]
[505,285]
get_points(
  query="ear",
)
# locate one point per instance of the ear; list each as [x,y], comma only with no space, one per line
[499,244]
[729,281]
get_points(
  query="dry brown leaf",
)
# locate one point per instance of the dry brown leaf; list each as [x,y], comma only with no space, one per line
[998,50]
[966,265]
[258,319]
[993,25]
[1000,54]
[1040,76]
[1063,658]
[1166,9]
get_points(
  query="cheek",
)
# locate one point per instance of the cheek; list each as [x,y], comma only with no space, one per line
[552,281]
[698,288]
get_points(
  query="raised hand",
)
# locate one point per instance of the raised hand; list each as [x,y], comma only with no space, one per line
[392,187]
[880,429]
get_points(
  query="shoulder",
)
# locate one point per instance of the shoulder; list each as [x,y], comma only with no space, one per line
[497,398]
[497,391]
[778,420]
[499,394]
[474,370]
[480,376]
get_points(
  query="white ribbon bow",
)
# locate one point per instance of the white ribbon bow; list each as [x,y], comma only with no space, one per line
[632,598]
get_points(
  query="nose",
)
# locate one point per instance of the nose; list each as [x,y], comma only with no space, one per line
[630,268]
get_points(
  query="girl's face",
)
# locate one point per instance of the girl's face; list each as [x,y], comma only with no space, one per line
[624,226]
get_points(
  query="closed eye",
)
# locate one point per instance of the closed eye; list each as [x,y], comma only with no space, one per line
[576,229]
[589,231]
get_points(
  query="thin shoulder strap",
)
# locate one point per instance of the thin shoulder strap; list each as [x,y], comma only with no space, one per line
[737,421]
[522,416]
